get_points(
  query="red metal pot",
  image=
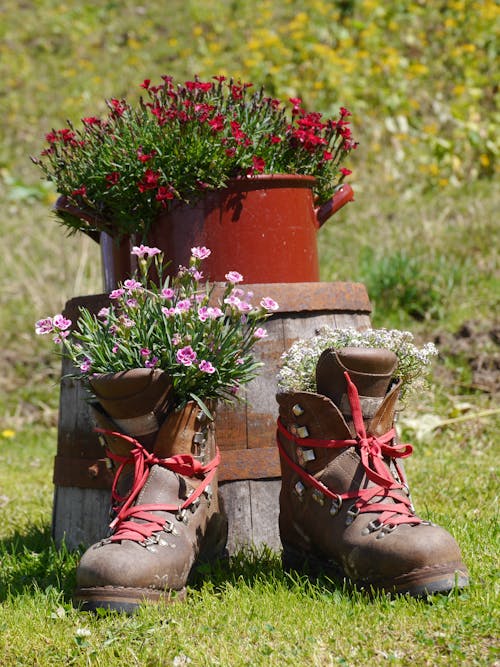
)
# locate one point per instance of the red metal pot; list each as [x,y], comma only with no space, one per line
[264,227]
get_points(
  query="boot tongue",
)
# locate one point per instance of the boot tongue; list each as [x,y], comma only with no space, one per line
[137,400]
[370,369]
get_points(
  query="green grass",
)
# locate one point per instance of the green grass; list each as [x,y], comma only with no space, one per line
[419,83]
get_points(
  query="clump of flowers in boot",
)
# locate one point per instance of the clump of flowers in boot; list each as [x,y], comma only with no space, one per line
[298,364]
[182,140]
[200,334]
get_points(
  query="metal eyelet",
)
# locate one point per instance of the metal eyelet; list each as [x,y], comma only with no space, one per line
[168,527]
[299,490]
[352,513]
[318,497]
[336,506]
[372,527]
[304,456]
[389,528]
[182,515]
[194,505]
[302,432]
[297,410]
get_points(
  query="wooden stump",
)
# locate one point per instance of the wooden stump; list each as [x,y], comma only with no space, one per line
[249,472]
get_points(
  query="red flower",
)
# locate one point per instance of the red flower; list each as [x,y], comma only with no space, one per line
[113,178]
[164,194]
[220,79]
[91,120]
[145,157]
[67,136]
[344,112]
[237,132]
[258,164]
[274,139]
[327,156]
[145,84]
[149,180]
[217,123]
[81,191]
[231,152]
[198,85]
[345,172]
[117,107]
[51,137]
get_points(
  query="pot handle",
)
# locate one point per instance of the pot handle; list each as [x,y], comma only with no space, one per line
[62,205]
[342,195]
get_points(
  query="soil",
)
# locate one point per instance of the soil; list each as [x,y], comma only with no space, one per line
[474,351]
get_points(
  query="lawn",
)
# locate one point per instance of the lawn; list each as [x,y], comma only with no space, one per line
[422,234]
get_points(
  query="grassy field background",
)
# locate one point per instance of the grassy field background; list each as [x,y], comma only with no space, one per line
[423,235]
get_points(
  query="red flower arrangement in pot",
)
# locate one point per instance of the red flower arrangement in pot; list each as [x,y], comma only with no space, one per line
[209,163]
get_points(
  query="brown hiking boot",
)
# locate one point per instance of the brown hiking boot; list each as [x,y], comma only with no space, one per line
[345,506]
[168,521]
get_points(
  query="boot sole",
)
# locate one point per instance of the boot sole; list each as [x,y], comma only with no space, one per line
[417,583]
[126,600]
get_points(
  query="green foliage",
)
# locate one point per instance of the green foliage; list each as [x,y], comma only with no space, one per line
[406,281]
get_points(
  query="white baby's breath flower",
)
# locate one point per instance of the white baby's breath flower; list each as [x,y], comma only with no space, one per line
[298,363]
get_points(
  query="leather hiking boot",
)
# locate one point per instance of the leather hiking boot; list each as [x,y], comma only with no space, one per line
[168,521]
[345,506]
[137,401]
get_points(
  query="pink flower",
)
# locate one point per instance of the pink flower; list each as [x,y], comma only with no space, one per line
[132,284]
[244,307]
[208,312]
[168,293]
[145,352]
[151,363]
[183,306]
[143,250]
[58,338]
[61,322]
[85,365]
[186,356]
[260,333]
[269,304]
[232,300]
[115,349]
[200,252]
[103,313]
[168,312]
[44,326]
[197,275]
[206,367]
[176,339]
[117,293]
[233,277]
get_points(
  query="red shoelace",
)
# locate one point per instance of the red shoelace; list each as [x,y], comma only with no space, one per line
[123,525]
[372,450]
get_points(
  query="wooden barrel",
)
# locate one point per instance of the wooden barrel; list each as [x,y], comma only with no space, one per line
[249,472]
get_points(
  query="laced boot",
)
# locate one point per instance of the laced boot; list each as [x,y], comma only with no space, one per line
[135,403]
[345,506]
[168,522]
